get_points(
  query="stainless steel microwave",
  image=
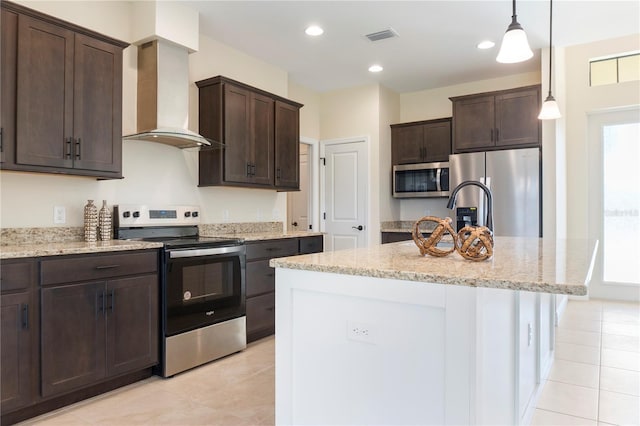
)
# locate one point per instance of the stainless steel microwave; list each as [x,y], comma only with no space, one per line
[421,180]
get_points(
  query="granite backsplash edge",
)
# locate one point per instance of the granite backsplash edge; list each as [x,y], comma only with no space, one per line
[61,234]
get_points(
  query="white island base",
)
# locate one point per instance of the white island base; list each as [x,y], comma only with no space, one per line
[361,350]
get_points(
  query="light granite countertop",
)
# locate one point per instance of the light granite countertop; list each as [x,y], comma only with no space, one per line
[72,247]
[529,264]
[261,236]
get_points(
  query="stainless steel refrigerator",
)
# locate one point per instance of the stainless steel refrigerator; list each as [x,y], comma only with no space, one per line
[514,179]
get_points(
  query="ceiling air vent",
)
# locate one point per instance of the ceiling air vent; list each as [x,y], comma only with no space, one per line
[381,35]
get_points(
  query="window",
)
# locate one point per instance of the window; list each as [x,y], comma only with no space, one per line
[614,70]
[621,202]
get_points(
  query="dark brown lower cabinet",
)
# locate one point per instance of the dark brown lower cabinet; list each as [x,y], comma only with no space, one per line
[394,237]
[261,318]
[92,331]
[18,334]
[16,350]
[261,283]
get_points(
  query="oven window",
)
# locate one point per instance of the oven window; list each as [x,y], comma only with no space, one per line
[207,282]
[201,291]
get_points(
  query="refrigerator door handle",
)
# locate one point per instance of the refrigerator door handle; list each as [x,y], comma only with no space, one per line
[481,204]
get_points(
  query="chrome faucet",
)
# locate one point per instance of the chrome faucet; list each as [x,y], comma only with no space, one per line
[452,199]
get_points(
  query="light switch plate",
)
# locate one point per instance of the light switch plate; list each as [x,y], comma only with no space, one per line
[59,214]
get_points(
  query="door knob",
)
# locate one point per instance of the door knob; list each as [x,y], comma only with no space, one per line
[359,227]
[295,223]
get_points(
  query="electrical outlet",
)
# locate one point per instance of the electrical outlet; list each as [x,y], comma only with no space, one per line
[259,214]
[275,214]
[59,214]
[361,332]
[225,215]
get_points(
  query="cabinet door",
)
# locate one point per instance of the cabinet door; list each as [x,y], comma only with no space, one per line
[132,324]
[73,336]
[44,122]
[260,278]
[517,118]
[407,144]
[97,105]
[437,141]
[287,146]
[473,123]
[8,49]
[313,244]
[15,359]
[237,134]
[262,139]
[261,317]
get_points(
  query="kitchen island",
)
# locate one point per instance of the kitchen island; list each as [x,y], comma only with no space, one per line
[382,335]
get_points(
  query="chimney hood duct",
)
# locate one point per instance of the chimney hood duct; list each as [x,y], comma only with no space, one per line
[163,97]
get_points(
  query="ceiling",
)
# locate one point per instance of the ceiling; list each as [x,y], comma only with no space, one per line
[437,39]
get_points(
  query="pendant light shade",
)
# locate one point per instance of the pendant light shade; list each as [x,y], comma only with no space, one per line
[515,45]
[550,110]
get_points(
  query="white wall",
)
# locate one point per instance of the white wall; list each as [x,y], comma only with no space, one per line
[310,112]
[153,173]
[389,114]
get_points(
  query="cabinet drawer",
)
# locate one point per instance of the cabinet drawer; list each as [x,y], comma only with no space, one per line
[17,275]
[394,237]
[260,277]
[271,249]
[85,268]
[310,244]
[261,314]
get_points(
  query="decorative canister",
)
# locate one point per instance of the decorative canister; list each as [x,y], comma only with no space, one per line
[104,222]
[90,222]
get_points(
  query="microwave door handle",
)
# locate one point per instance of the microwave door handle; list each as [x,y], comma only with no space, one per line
[438,186]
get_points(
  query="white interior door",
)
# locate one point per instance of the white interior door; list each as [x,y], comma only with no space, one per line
[298,201]
[345,188]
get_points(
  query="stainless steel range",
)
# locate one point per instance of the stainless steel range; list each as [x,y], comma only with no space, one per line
[202,292]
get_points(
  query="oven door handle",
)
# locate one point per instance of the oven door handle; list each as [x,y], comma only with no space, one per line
[205,252]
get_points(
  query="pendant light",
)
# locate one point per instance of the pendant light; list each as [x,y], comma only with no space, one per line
[550,110]
[515,46]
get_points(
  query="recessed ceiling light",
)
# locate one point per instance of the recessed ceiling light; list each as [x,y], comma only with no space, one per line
[375,68]
[487,44]
[314,30]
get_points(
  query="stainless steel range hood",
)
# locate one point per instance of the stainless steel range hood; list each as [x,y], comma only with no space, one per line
[163,97]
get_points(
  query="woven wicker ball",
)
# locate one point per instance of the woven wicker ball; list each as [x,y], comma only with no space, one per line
[428,245]
[475,243]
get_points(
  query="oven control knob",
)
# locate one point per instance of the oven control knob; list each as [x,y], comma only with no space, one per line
[126,214]
[187,214]
[194,214]
[136,214]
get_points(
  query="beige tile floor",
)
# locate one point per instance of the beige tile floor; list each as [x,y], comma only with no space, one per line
[236,390]
[595,380]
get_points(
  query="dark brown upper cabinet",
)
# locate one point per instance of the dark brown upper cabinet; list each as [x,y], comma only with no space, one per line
[260,132]
[64,107]
[497,120]
[8,52]
[287,146]
[421,141]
